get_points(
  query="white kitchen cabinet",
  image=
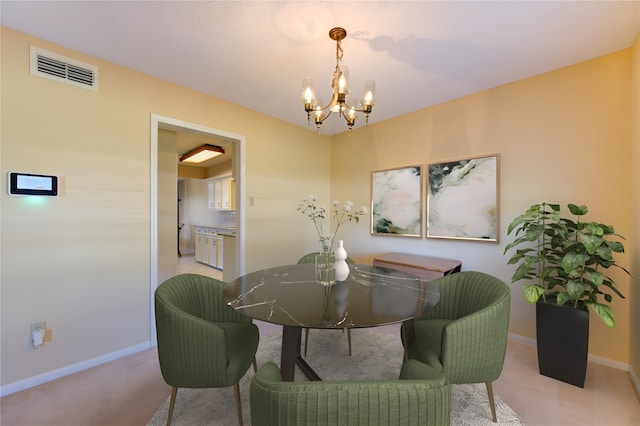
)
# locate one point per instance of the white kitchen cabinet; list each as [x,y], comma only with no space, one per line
[202,247]
[222,194]
[211,203]
[224,190]
[219,251]
[209,247]
[213,252]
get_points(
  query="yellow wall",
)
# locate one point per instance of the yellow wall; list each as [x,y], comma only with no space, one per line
[563,136]
[167,205]
[634,242]
[82,261]
[190,172]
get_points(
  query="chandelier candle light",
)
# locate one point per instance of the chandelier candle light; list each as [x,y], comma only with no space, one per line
[340,86]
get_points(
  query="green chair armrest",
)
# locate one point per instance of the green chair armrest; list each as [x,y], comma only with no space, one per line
[269,372]
[474,347]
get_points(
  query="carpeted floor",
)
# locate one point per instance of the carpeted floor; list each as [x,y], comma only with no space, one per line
[376,355]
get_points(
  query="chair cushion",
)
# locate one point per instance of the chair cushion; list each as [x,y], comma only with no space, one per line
[416,370]
[427,344]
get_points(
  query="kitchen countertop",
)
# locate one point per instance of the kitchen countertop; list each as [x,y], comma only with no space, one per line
[221,229]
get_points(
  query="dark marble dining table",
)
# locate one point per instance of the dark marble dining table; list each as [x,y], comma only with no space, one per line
[292,297]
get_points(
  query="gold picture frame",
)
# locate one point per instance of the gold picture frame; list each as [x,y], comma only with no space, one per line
[396,202]
[463,198]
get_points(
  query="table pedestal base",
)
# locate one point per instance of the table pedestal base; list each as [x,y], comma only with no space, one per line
[291,355]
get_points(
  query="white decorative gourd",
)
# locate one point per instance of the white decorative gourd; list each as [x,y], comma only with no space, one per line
[341,266]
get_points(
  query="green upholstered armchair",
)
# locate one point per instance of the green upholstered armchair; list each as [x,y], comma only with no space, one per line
[311,258]
[420,397]
[465,335]
[202,342]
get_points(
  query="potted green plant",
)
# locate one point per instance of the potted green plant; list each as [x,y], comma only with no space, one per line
[564,263]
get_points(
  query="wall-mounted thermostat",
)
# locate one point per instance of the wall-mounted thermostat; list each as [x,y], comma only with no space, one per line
[31,184]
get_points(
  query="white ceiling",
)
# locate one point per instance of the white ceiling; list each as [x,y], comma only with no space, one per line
[256,54]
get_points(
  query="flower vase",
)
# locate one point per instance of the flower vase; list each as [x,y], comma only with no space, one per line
[342,267]
[340,293]
[325,269]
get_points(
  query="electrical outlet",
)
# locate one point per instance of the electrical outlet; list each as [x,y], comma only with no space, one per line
[39,326]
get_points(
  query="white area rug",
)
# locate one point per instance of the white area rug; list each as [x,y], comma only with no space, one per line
[376,355]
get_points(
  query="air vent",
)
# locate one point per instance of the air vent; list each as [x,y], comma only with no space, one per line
[60,68]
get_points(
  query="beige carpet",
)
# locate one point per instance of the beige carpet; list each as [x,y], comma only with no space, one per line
[376,355]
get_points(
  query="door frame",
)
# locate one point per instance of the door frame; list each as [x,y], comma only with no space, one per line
[162,122]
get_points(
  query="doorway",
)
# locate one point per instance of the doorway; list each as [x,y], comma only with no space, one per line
[160,122]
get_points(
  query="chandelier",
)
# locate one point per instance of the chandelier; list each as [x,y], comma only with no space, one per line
[340,86]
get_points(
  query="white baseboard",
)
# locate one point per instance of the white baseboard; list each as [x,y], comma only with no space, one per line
[74,368]
[521,339]
[609,362]
[593,358]
[70,369]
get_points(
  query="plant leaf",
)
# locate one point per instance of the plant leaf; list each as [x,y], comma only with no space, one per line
[591,242]
[575,289]
[554,207]
[533,232]
[578,211]
[573,261]
[616,246]
[515,243]
[562,298]
[604,312]
[532,292]
[595,277]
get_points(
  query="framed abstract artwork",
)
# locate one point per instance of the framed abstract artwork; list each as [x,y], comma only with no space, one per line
[396,202]
[462,198]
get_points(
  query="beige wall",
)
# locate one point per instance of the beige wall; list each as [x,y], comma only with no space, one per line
[167,205]
[634,241]
[190,172]
[82,261]
[563,136]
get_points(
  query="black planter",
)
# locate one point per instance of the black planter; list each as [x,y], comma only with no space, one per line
[563,342]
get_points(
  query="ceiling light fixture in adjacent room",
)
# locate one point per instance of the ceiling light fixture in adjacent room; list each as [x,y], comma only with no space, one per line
[202,154]
[340,85]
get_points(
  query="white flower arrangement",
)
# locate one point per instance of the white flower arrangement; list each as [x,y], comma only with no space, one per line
[340,215]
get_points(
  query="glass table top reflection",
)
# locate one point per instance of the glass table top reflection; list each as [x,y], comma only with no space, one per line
[291,296]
